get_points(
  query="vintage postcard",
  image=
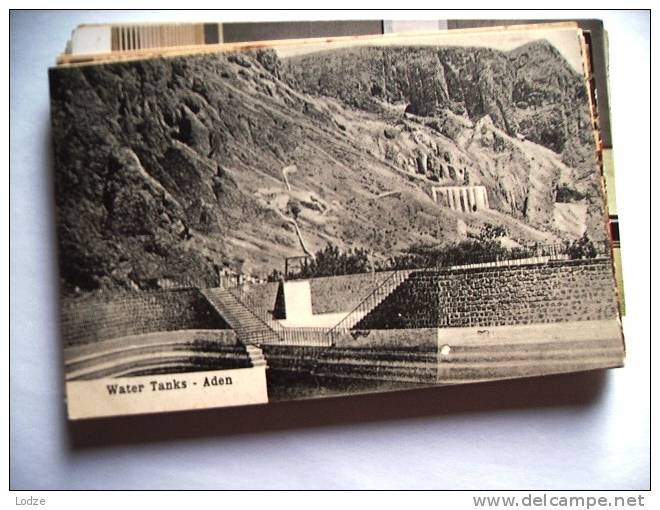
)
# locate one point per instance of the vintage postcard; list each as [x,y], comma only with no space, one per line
[256,223]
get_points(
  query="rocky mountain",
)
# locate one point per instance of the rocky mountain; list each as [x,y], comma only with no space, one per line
[171,169]
[530,91]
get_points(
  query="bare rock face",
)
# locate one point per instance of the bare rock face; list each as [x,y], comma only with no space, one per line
[530,90]
[193,132]
[163,167]
[484,133]
[131,157]
[133,200]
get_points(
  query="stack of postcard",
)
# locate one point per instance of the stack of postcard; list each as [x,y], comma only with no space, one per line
[251,222]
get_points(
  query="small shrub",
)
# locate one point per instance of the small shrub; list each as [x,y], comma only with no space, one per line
[582,248]
[294,208]
[566,194]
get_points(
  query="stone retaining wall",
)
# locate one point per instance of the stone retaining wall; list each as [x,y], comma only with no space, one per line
[576,290]
[259,296]
[390,364]
[343,293]
[392,339]
[95,318]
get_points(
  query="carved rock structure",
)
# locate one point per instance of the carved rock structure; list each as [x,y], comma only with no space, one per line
[461,198]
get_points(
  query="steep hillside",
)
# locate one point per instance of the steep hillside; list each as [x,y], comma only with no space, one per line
[529,94]
[531,91]
[166,168]
[171,170]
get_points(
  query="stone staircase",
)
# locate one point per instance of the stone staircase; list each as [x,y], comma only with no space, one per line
[412,304]
[257,358]
[249,328]
[381,293]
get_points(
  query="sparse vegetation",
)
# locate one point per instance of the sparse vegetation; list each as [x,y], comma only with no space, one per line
[583,248]
[294,208]
[465,252]
[566,194]
[331,261]
[490,231]
[275,276]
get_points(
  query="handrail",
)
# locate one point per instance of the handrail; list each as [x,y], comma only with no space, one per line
[251,312]
[308,337]
[315,337]
[284,336]
[375,297]
[548,252]
[555,251]
[261,314]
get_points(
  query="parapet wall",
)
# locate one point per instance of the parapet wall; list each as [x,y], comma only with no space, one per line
[577,290]
[91,319]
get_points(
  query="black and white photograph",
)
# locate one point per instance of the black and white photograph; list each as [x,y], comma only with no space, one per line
[329,218]
[277,249]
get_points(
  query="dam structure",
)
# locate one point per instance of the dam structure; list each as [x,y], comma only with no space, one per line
[461,198]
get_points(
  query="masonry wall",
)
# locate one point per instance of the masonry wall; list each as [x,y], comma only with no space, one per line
[261,296]
[343,293]
[577,290]
[330,294]
[91,319]
[392,356]
[422,339]
[414,304]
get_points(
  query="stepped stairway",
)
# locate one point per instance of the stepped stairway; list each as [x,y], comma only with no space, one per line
[256,308]
[375,298]
[257,358]
[284,335]
[249,328]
